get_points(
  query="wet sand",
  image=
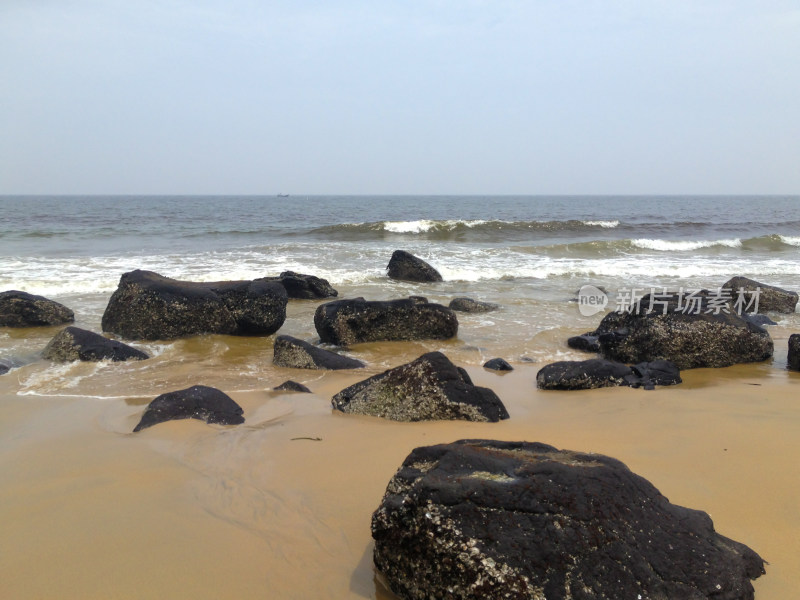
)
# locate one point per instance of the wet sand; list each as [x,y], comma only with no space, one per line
[188,510]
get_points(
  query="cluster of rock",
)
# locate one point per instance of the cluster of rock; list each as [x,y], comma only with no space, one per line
[475,518]
[598,373]
[689,339]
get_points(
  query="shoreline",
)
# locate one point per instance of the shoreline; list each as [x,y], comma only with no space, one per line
[187,509]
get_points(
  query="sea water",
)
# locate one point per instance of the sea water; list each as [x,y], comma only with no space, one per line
[529,254]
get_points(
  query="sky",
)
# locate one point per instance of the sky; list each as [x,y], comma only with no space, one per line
[399,97]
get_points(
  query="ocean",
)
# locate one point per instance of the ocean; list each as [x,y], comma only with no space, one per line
[529,254]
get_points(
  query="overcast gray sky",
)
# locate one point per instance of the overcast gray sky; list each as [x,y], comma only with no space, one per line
[412,97]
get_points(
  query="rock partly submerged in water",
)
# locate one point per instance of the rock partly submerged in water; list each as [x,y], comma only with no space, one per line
[470,305]
[793,356]
[770,298]
[714,336]
[73,343]
[197,402]
[407,267]
[426,389]
[304,287]
[149,306]
[498,364]
[21,309]
[587,342]
[292,352]
[598,373]
[490,519]
[345,322]
[292,386]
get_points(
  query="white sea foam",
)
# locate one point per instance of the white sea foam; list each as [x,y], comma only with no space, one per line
[790,240]
[604,224]
[426,225]
[684,245]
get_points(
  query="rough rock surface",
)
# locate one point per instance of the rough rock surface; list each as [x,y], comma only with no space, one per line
[687,339]
[407,267]
[197,402]
[148,306]
[292,386]
[588,342]
[304,287]
[345,322]
[21,309]
[498,364]
[770,298]
[73,343]
[469,305]
[291,352]
[793,357]
[429,388]
[597,373]
[488,519]
[582,374]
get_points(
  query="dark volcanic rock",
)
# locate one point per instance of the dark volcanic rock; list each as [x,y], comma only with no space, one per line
[582,374]
[304,287]
[757,319]
[21,309]
[73,343]
[770,298]
[657,372]
[597,373]
[793,358]
[5,367]
[472,306]
[291,352]
[429,388]
[588,342]
[345,322]
[689,340]
[197,402]
[498,364]
[292,386]
[148,306]
[488,519]
[407,267]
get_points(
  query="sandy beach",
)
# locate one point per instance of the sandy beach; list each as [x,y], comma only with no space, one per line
[280,507]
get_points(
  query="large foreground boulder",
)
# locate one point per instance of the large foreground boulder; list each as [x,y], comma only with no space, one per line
[793,357]
[407,267]
[197,402]
[429,388]
[21,309]
[345,322]
[73,343]
[770,298]
[488,519]
[713,336]
[598,373]
[149,306]
[304,287]
[291,352]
